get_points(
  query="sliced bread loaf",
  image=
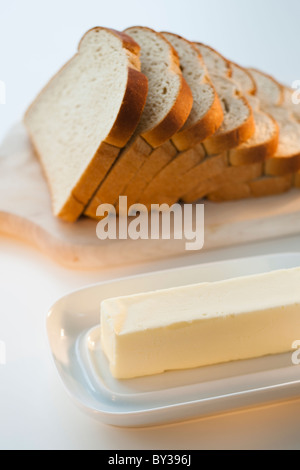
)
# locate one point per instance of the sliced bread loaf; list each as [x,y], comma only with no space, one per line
[87,112]
[177,178]
[205,118]
[167,108]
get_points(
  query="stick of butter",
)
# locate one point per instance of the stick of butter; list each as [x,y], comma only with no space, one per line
[202,324]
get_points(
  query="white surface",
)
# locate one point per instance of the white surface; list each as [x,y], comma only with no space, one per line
[36,38]
[35,410]
[74,339]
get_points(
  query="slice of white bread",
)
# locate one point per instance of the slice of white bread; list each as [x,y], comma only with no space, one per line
[167,108]
[87,112]
[178,178]
[216,64]
[268,90]
[205,118]
[238,125]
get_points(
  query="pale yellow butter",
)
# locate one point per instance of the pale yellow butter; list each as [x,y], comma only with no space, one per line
[203,324]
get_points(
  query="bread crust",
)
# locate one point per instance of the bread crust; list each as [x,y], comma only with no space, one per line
[281,166]
[129,162]
[159,158]
[271,186]
[259,187]
[161,189]
[131,109]
[228,178]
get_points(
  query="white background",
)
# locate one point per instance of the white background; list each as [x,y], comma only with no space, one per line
[36,38]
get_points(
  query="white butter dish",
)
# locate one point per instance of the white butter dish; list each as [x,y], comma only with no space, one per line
[73,332]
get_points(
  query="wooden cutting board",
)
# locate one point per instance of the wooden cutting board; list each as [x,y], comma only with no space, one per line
[25,213]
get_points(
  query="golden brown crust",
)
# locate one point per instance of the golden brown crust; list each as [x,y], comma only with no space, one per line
[161,158]
[256,153]
[271,186]
[170,181]
[281,166]
[230,193]
[96,171]
[260,187]
[99,166]
[197,178]
[128,163]
[158,160]
[174,120]
[223,141]
[229,177]
[296,181]
[131,110]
